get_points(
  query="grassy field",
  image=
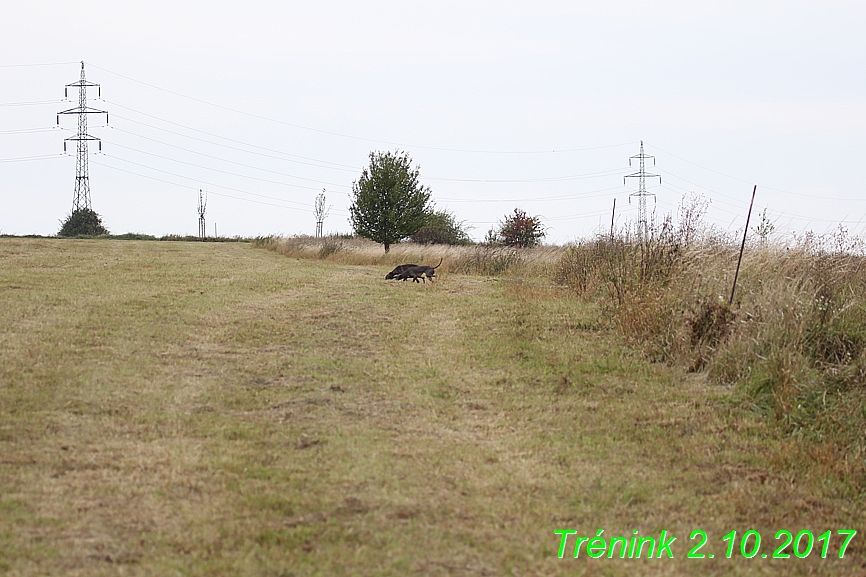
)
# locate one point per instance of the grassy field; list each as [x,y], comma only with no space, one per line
[219,409]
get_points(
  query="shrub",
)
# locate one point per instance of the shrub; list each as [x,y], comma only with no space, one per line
[442,227]
[590,266]
[330,246]
[488,261]
[520,230]
[82,222]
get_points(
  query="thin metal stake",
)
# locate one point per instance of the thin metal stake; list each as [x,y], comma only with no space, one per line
[612,215]
[742,246]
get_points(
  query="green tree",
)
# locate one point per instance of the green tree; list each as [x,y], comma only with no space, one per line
[389,204]
[442,227]
[82,222]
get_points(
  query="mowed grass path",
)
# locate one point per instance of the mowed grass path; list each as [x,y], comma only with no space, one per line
[217,409]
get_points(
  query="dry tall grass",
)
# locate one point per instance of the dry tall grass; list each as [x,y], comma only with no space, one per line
[474,260]
[793,344]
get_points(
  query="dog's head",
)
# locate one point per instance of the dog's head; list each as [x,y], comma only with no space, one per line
[398,270]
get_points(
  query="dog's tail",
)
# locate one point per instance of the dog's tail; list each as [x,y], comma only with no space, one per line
[440,262]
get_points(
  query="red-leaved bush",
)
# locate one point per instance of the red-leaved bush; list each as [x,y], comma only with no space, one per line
[521,230]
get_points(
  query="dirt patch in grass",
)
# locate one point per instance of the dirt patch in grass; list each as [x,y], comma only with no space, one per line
[214,409]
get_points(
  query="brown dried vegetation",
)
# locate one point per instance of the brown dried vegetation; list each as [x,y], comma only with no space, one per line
[792,345]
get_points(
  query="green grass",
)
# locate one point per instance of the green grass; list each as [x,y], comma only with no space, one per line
[217,409]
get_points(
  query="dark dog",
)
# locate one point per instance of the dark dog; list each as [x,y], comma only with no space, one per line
[419,272]
[398,270]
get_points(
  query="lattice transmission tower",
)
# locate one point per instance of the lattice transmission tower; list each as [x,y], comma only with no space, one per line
[641,193]
[202,208]
[82,175]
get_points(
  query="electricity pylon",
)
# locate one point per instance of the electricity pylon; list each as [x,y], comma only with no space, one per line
[641,193]
[82,175]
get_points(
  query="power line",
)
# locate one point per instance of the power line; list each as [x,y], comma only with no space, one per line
[29,158]
[353,137]
[335,166]
[232,173]
[215,136]
[780,214]
[211,184]
[704,167]
[568,217]
[585,195]
[803,194]
[777,214]
[32,103]
[573,196]
[194,188]
[578,215]
[29,130]
[353,169]
[599,174]
[338,166]
[208,183]
[36,65]
[456,149]
[669,173]
[115,144]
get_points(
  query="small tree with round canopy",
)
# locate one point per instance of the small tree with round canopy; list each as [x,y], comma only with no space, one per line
[389,203]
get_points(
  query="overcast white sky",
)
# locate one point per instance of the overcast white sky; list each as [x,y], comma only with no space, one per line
[263,104]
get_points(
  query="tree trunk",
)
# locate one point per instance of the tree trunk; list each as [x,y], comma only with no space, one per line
[387,247]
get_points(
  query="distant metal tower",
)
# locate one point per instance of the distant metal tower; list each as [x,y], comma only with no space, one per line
[321,213]
[202,208]
[641,193]
[82,176]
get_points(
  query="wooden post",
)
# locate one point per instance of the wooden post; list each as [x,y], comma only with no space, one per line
[743,246]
